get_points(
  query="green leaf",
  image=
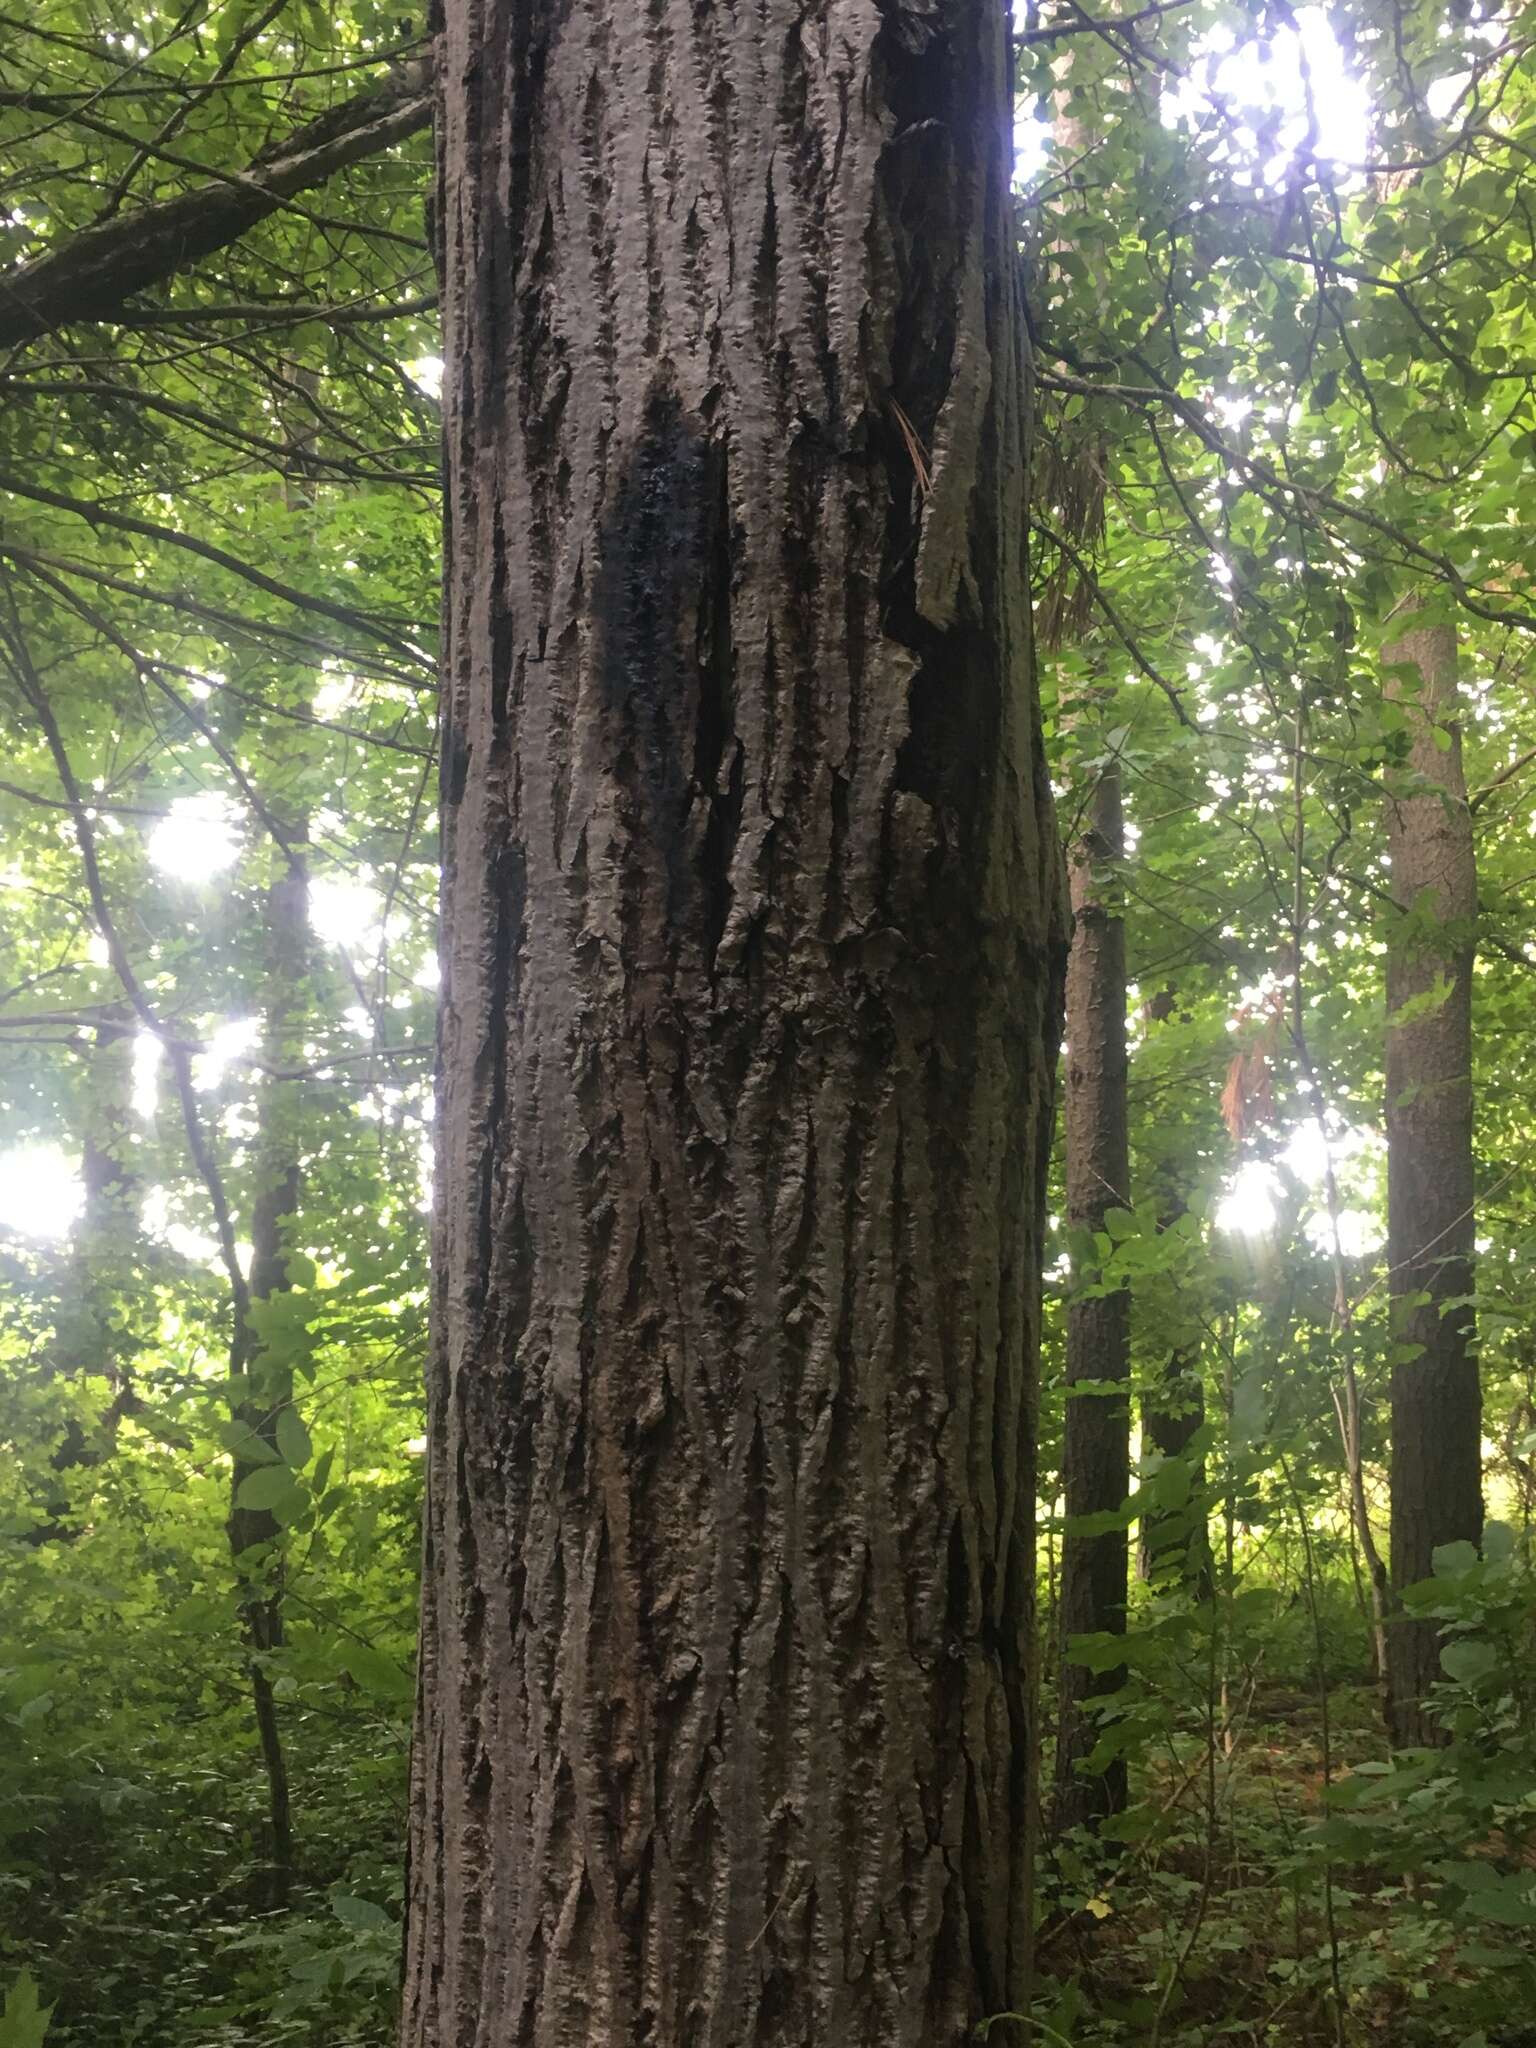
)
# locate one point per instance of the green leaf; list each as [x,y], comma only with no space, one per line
[1451,1560]
[273,1489]
[375,1673]
[1101,1651]
[1509,1906]
[1498,1542]
[1468,1661]
[24,2023]
[1413,1009]
[362,1915]
[1470,1875]
[1105,1522]
[249,1448]
[293,1439]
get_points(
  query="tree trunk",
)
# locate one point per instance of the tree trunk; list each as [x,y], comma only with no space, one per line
[1176,1544]
[99,1326]
[264,1379]
[1096,1448]
[1436,1406]
[1177,1541]
[752,930]
[107,1248]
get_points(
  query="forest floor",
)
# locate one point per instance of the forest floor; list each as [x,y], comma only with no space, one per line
[1226,1912]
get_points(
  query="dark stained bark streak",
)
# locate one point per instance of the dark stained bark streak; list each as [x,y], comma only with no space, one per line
[1436,1478]
[96,271]
[751,956]
[1096,1450]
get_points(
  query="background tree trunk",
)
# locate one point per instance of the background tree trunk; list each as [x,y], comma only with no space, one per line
[1174,1540]
[256,1534]
[1096,1446]
[1436,1405]
[1172,1416]
[751,951]
[99,1328]
[264,1378]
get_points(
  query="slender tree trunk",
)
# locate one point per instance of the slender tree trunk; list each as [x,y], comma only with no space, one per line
[97,1332]
[255,1534]
[1436,1406]
[1173,1405]
[107,1239]
[1349,1410]
[1096,1453]
[751,959]
[264,1379]
[1176,1544]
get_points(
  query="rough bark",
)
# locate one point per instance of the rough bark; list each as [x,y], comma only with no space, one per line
[1096,1448]
[752,929]
[1436,1477]
[96,271]
[263,1378]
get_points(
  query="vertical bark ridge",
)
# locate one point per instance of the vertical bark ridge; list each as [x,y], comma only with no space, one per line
[751,956]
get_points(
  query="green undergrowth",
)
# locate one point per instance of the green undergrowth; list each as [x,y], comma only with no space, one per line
[1281,1876]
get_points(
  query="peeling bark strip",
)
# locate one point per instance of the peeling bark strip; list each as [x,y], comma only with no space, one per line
[1431,1194]
[1096,1460]
[752,928]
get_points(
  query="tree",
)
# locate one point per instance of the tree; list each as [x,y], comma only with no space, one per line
[272,1441]
[98,272]
[271,1438]
[1280,310]
[751,977]
[1431,1193]
[96,1336]
[1096,1462]
[1172,1418]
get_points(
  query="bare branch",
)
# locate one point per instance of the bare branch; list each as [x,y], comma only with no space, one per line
[97,514]
[30,684]
[91,276]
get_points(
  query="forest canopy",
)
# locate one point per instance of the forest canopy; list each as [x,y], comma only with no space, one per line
[1259,536]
